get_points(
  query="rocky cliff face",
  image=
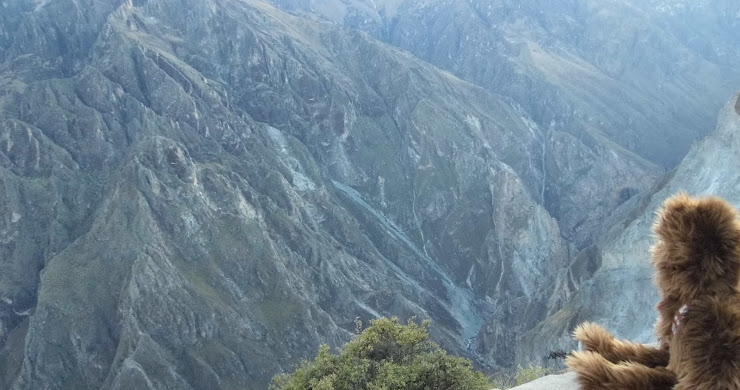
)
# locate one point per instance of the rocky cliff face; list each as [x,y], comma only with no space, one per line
[621,294]
[625,66]
[196,194]
[646,75]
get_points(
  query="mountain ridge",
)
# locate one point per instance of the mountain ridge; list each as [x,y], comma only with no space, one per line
[205,192]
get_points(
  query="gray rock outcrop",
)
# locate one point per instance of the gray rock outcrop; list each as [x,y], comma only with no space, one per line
[621,294]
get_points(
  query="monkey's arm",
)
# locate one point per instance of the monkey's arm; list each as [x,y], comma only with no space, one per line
[596,339]
[597,373]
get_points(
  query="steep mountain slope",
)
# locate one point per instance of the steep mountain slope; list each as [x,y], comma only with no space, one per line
[618,54]
[646,75]
[621,293]
[197,193]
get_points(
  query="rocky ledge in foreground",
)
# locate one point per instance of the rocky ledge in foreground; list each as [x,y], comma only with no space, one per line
[565,381]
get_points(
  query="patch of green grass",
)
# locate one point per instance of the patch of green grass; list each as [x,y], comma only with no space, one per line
[278,313]
[199,282]
[518,376]
[528,374]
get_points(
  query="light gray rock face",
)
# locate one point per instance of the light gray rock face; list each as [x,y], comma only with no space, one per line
[196,194]
[621,294]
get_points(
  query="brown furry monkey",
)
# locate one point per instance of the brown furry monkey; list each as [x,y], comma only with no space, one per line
[697,271]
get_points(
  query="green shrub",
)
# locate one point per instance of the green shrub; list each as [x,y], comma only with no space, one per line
[385,356]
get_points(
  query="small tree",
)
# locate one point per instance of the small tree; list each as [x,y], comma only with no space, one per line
[385,356]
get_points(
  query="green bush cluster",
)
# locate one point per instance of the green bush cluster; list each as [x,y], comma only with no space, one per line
[385,356]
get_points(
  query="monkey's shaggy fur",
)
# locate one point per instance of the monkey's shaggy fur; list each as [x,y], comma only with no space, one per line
[697,269]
